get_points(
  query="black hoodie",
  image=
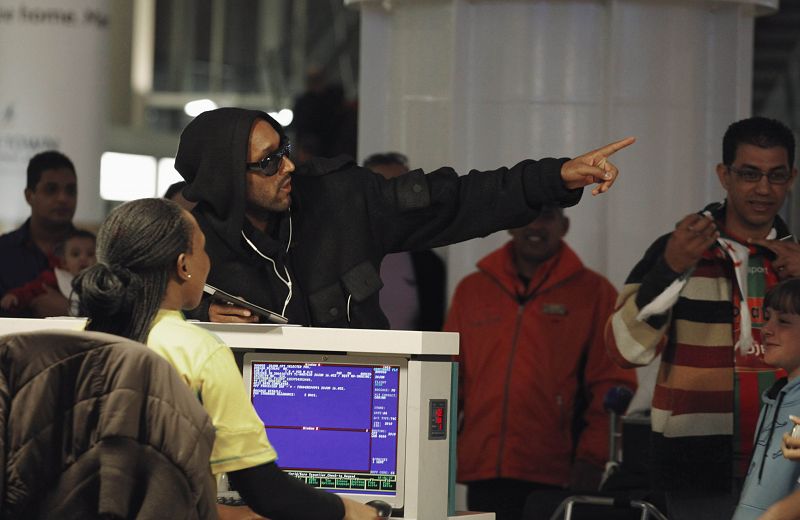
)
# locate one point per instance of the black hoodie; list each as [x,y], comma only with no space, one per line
[343,220]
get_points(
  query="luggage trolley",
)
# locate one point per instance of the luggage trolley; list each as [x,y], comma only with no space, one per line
[615,403]
[566,507]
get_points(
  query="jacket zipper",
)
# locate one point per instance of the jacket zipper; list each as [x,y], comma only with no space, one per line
[504,414]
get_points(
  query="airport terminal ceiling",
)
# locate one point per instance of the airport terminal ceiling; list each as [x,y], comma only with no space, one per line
[254,53]
[258,53]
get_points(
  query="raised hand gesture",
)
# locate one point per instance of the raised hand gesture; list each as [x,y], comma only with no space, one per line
[594,167]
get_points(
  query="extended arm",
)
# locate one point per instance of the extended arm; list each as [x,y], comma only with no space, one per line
[419,211]
[270,492]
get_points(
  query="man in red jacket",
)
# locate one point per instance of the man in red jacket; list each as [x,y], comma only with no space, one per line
[533,370]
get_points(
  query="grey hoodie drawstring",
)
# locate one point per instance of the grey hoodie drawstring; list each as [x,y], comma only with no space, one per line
[781,395]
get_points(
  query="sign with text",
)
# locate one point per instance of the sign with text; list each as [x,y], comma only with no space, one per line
[53,65]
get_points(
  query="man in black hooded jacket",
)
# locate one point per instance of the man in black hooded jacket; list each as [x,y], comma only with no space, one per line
[309,244]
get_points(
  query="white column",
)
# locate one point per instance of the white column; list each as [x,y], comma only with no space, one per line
[484,83]
[53,85]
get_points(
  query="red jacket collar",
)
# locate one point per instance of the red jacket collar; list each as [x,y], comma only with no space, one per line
[499,265]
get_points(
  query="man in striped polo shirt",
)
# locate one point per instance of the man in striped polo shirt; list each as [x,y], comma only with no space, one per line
[695,298]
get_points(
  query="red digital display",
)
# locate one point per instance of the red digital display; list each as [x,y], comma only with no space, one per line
[437,424]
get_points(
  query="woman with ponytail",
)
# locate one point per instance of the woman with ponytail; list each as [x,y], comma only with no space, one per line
[151,265]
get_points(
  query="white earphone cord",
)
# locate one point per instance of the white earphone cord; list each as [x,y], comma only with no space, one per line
[288,279]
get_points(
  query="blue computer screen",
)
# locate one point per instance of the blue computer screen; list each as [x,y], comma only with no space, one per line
[334,426]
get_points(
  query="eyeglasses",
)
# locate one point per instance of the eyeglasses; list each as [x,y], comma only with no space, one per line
[754,175]
[268,166]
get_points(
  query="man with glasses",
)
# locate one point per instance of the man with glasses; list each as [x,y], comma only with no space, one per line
[309,244]
[696,299]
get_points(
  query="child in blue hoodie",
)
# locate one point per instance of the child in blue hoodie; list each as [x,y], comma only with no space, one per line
[772,484]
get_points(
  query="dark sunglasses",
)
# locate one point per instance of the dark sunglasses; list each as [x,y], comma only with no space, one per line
[268,166]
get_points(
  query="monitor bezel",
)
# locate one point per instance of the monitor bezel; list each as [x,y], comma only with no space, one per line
[397,500]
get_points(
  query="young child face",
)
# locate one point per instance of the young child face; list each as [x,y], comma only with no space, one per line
[781,334]
[78,254]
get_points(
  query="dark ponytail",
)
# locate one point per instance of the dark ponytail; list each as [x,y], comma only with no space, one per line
[137,249]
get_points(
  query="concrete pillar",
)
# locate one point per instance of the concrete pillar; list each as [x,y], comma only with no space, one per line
[484,83]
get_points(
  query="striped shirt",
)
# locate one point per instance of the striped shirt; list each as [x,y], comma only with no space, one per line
[707,395]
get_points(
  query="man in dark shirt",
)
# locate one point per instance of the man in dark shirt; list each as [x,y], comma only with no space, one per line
[51,192]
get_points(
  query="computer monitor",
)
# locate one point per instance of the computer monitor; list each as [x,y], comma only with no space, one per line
[337,421]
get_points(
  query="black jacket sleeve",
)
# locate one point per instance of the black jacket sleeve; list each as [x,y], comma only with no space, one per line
[420,211]
[270,492]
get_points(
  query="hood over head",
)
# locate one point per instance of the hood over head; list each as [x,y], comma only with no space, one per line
[211,157]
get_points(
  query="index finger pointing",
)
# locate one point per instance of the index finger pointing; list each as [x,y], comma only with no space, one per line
[616,146]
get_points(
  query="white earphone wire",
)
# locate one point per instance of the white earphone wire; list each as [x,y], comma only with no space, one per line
[288,280]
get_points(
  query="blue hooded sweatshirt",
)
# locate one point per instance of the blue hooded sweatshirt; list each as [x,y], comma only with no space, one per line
[770,476]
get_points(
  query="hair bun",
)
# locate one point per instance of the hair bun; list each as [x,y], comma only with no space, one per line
[123,274]
[104,289]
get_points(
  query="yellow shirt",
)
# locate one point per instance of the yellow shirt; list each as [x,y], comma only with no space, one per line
[207,366]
